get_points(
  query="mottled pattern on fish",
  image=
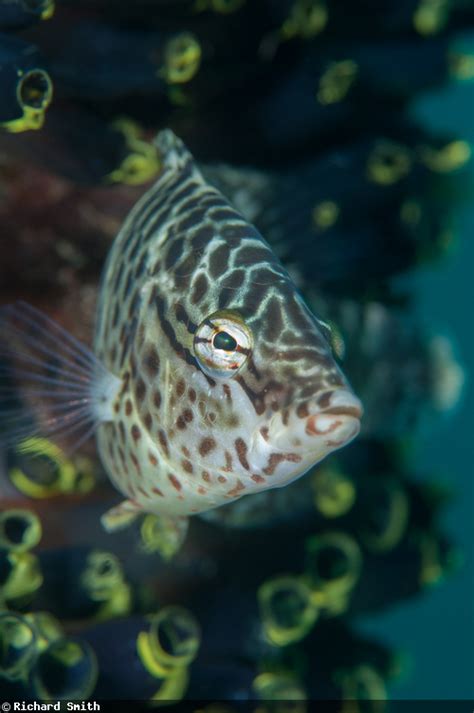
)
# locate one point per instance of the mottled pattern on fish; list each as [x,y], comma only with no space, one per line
[183,438]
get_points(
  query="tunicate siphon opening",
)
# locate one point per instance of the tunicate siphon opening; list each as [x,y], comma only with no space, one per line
[35,89]
[333,563]
[174,636]
[20,530]
[17,646]
[386,517]
[67,669]
[287,611]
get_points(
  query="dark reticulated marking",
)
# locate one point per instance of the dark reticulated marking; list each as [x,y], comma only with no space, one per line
[163,442]
[180,387]
[273,324]
[157,491]
[135,432]
[206,446]
[241,450]
[174,481]
[183,317]
[148,421]
[151,361]
[140,390]
[187,466]
[180,423]
[152,458]
[175,252]
[201,286]
[219,260]
[136,463]
[187,415]
[178,348]
[157,398]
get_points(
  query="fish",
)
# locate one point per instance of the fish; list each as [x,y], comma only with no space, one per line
[209,378]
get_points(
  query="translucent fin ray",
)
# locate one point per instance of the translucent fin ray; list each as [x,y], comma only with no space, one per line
[50,383]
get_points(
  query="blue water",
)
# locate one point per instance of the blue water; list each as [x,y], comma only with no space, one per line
[437,630]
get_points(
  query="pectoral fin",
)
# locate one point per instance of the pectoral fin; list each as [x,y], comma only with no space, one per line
[120,516]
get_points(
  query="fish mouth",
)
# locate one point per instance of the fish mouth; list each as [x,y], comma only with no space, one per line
[339,423]
[330,422]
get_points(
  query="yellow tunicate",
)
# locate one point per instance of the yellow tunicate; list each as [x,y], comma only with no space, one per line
[47,628]
[24,577]
[283,688]
[142,163]
[363,683]
[79,671]
[48,472]
[431,569]
[336,81]
[392,503]
[20,530]
[334,492]
[325,214]
[431,16]
[104,582]
[307,18]
[34,92]
[162,534]
[449,158]
[172,641]
[388,163]
[174,686]
[461,65]
[48,10]
[333,564]
[182,58]
[286,609]
[17,646]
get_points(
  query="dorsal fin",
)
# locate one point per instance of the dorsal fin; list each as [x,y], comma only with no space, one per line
[173,153]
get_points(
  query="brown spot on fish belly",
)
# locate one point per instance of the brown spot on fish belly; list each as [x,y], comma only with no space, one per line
[236,489]
[276,458]
[174,481]
[206,446]
[241,449]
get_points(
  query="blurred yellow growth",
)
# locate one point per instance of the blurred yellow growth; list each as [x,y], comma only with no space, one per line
[167,648]
[336,81]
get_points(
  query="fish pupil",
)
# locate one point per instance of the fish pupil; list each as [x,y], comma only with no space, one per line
[224,341]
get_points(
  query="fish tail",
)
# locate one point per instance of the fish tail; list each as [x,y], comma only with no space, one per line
[50,383]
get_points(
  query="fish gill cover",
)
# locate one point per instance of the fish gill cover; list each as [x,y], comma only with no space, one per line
[276,190]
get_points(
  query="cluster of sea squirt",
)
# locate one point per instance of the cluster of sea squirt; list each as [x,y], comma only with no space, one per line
[297,111]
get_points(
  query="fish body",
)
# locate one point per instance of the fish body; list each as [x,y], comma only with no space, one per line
[210,379]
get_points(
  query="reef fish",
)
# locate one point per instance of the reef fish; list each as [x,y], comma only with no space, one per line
[209,378]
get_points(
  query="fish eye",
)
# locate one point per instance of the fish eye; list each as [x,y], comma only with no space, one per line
[224,340]
[222,344]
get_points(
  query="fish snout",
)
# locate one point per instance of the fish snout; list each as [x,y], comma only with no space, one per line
[336,417]
[321,425]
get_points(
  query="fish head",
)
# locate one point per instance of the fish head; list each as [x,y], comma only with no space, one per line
[273,363]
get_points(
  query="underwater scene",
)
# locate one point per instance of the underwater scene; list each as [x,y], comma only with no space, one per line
[235,353]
